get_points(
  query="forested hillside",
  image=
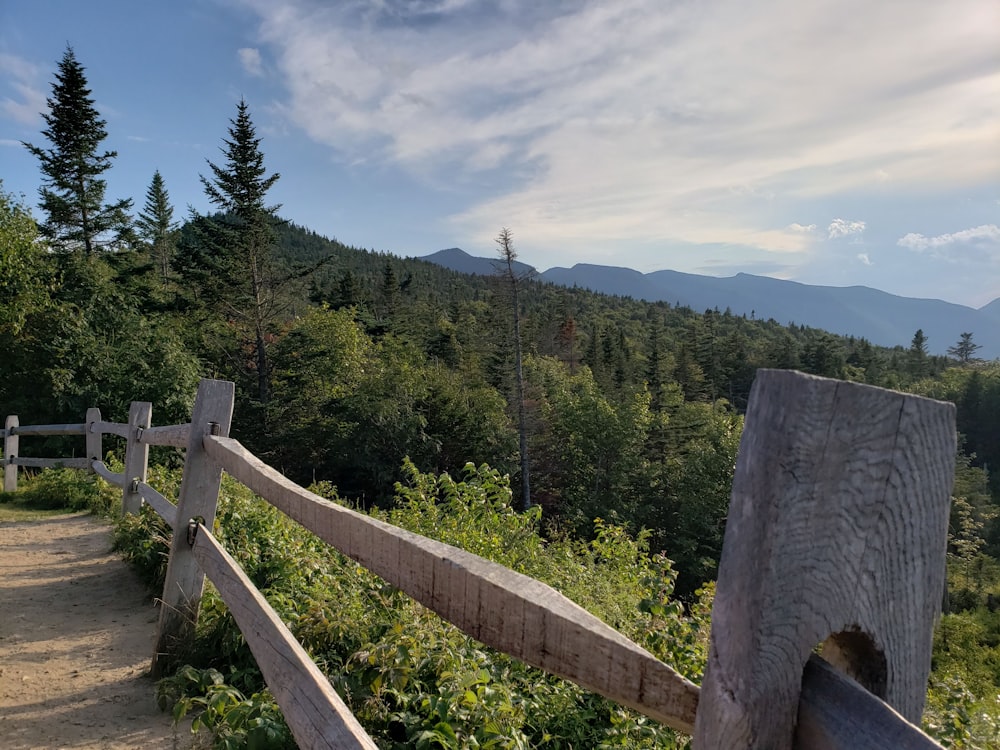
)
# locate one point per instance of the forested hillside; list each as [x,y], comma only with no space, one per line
[350,363]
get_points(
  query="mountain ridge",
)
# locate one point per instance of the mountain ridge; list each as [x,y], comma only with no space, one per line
[883,318]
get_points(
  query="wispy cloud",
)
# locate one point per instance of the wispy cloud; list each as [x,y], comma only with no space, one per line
[24,82]
[804,228]
[597,122]
[865,259]
[844,228]
[985,234]
[251,60]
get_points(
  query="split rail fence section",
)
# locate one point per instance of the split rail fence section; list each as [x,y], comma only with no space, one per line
[836,537]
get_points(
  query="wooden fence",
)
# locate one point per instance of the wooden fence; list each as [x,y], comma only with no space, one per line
[835,538]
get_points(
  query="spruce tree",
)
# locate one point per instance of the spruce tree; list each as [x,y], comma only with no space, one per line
[157,227]
[72,191]
[234,254]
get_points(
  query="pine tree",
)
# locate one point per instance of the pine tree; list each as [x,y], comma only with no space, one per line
[157,227]
[965,350]
[233,258]
[72,191]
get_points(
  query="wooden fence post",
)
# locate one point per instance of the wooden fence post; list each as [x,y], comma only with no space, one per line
[95,440]
[140,417]
[10,447]
[199,495]
[836,535]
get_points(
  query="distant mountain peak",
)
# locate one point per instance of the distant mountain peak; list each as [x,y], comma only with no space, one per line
[882,318]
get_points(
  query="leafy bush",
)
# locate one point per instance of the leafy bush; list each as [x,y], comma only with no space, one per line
[69,489]
[412,679]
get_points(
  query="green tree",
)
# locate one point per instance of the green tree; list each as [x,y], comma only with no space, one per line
[965,350]
[22,265]
[156,226]
[233,258]
[916,356]
[72,191]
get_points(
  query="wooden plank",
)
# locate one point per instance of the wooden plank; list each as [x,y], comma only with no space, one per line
[836,535]
[506,610]
[199,495]
[10,448]
[101,469]
[53,463]
[110,428]
[140,415]
[50,429]
[95,449]
[836,713]
[175,435]
[314,712]
[163,507]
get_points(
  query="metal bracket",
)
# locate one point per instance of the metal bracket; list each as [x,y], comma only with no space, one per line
[138,434]
[214,428]
[133,486]
[192,531]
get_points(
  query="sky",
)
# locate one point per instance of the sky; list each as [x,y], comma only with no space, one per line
[835,142]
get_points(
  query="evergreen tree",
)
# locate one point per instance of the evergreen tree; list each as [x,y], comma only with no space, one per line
[157,227]
[72,191]
[233,257]
[916,356]
[965,350]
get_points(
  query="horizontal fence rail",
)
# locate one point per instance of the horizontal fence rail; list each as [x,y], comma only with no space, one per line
[518,615]
[50,463]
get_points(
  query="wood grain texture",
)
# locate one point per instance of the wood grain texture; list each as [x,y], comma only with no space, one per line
[314,712]
[506,610]
[174,435]
[111,428]
[95,442]
[836,713]
[10,448]
[140,415]
[101,469]
[51,429]
[837,525]
[53,463]
[163,507]
[198,497]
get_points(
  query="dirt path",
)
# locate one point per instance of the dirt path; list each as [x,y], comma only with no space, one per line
[76,636]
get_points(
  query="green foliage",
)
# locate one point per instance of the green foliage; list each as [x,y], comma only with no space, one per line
[24,275]
[412,679]
[62,489]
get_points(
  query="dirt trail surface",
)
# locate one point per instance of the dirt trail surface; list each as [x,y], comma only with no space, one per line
[76,637]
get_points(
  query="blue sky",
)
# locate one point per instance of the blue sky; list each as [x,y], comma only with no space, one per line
[833,141]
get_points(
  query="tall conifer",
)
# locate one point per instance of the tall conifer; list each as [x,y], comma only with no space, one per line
[157,227]
[72,191]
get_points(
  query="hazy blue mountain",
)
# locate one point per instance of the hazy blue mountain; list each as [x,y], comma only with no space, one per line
[882,318]
[461,261]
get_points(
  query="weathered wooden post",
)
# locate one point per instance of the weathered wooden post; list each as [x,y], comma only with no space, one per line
[10,447]
[94,437]
[836,536]
[140,416]
[199,495]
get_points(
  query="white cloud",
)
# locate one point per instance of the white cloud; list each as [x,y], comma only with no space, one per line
[985,234]
[863,257]
[804,228]
[24,79]
[251,60]
[634,120]
[10,142]
[844,228]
